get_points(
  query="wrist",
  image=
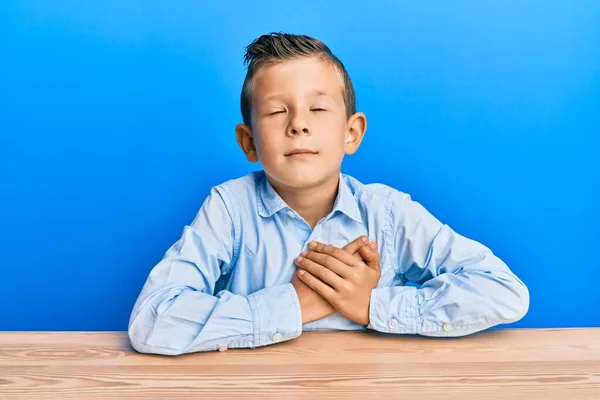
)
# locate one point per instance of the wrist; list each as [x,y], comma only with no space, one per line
[312,306]
[366,319]
[302,298]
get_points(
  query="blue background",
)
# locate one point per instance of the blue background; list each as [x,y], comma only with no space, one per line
[116,118]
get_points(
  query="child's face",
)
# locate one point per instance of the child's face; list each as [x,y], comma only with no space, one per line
[299,104]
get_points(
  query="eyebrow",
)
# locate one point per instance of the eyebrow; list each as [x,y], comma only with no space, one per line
[315,92]
[320,93]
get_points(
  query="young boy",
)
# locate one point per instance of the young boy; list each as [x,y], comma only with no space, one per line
[301,246]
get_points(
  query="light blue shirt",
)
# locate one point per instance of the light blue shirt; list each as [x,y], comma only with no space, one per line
[226,282]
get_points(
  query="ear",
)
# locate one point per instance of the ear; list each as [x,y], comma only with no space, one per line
[357,126]
[246,142]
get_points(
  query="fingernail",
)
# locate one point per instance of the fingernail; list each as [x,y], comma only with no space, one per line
[299,259]
[374,246]
[301,272]
[312,245]
[304,253]
[364,239]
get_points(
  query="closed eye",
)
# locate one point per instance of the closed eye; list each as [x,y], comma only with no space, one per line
[277,112]
[318,109]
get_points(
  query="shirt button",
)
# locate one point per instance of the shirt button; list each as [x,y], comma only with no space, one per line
[222,348]
[393,323]
[448,327]
[291,214]
[278,337]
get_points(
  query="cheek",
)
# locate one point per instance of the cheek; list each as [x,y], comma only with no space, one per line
[336,139]
[266,146]
[337,131]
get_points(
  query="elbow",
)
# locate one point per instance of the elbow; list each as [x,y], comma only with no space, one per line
[135,340]
[146,346]
[143,338]
[153,332]
[138,337]
[520,301]
[137,344]
[523,308]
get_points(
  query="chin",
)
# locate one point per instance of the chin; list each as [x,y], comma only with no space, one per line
[300,178]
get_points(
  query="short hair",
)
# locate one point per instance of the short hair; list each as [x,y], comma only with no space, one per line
[276,47]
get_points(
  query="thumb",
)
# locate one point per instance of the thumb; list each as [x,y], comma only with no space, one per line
[370,255]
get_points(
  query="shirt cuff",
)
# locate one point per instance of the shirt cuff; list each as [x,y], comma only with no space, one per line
[394,310]
[276,315]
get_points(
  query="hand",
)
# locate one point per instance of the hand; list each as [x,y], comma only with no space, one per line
[312,304]
[341,279]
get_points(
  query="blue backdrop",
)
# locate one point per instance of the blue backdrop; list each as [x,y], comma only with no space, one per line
[116,118]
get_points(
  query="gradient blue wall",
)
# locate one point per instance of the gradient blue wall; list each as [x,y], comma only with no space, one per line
[116,117]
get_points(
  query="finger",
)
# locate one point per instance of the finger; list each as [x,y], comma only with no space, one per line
[318,286]
[369,252]
[318,270]
[331,263]
[370,256]
[357,253]
[336,253]
[356,244]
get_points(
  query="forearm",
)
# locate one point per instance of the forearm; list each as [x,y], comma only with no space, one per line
[313,307]
[465,287]
[181,320]
[450,304]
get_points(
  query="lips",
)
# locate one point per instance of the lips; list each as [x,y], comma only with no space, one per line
[301,151]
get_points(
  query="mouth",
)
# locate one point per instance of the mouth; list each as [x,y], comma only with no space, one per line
[301,152]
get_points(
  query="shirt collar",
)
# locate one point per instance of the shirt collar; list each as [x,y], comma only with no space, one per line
[269,202]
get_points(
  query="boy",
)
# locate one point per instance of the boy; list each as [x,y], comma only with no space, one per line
[301,246]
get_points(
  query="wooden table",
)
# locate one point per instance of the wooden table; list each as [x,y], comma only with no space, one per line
[497,364]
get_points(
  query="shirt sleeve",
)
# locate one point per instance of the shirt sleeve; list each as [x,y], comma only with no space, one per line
[465,288]
[176,311]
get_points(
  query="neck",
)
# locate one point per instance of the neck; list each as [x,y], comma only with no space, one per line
[312,203]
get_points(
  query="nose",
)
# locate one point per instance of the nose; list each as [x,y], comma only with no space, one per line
[298,124]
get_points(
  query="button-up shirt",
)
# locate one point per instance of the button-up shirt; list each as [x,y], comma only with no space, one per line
[226,282]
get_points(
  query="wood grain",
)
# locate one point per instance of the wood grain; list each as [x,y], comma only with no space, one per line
[497,364]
